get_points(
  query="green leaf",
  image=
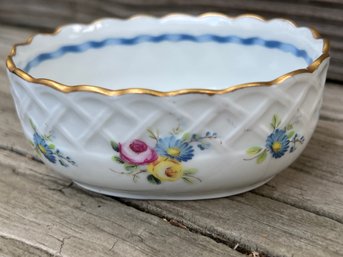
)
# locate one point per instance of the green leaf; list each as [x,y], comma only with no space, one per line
[52,146]
[188,180]
[63,163]
[176,131]
[289,126]
[151,134]
[38,152]
[190,171]
[115,146]
[186,136]
[47,137]
[32,125]
[31,142]
[117,159]
[275,121]
[130,167]
[262,156]
[131,172]
[196,137]
[153,180]
[251,151]
[290,134]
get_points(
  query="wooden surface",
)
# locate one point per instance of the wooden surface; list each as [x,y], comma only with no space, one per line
[298,213]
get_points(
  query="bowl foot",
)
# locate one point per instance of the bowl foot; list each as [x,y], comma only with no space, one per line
[159,196]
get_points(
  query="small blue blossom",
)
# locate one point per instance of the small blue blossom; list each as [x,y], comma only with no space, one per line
[42,147]
[277,143]
[302,139]
[174,148]
[204,146]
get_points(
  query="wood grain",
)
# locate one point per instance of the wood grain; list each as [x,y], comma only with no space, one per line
[12,247]
[41,213]
[299,213]
[255,223]
[326,15]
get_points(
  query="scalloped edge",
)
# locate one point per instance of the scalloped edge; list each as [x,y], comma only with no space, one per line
[104,91]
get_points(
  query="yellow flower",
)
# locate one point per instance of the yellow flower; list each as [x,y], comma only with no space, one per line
[166,169]
[42,149]
[276,146]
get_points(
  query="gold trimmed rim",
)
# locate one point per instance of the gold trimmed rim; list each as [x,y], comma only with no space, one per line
[111,92]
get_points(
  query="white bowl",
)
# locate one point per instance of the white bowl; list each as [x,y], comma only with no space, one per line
[168,108]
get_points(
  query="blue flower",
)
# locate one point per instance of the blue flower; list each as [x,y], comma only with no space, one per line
[42,147]
[277,143]
[174,148]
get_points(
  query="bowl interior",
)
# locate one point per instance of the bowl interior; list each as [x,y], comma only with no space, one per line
[171,53]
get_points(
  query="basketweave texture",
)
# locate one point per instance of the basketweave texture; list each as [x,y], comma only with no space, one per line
[84,122]
[82,127]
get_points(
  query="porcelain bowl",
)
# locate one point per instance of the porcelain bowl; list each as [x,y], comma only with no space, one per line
[179,107]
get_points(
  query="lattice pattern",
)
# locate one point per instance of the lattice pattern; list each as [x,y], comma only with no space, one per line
[85,122]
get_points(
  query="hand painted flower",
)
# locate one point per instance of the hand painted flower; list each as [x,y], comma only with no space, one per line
[166,169]
[174,148]
[42,147]
[137,152]
[277,143]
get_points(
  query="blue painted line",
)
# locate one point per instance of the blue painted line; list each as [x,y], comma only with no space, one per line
[272,44]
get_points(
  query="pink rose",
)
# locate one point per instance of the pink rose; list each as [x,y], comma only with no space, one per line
[137,152]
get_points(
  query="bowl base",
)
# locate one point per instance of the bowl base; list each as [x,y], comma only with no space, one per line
[147,196]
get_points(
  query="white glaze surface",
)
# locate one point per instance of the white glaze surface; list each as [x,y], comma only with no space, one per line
[170,66]
[82,124]
[159,66]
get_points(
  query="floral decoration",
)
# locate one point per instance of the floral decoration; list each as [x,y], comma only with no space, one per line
[45,148]
[161,160]
[278,142]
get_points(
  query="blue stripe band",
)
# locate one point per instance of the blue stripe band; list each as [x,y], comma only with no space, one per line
[273,44]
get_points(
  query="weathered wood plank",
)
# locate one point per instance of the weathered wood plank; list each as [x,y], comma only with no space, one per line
[42,215]
[9,35]
[323,156]
[12,247]
[313,183]
[256,223]
[332,109]
[307,192]
[17,11]
[326,15]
